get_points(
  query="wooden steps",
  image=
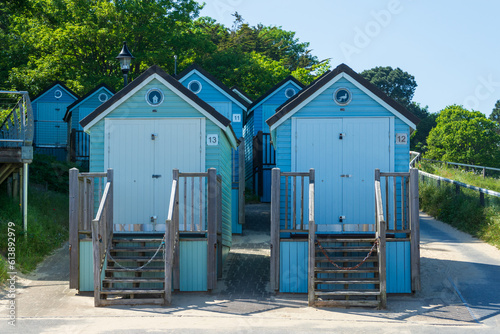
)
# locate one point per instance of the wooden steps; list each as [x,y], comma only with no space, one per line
[343,274]
[134,275]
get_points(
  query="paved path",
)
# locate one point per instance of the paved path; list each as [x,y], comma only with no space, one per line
[455,269]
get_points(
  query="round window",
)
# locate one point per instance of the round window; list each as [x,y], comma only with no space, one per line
[289,92]
[103,97]
[58,94]
[194,86]
[154,97]
[342,96]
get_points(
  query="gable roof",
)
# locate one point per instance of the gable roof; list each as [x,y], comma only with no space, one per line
[55,83]
[273,90]
[225,90]
[241,93]
[83,98]
[298,101]
[155,72]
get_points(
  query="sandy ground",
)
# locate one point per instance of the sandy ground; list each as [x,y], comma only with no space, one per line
[460,293]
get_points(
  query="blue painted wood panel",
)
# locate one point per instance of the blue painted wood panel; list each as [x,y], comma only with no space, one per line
[236,226]
[398,267]
[86,266]
[293,266]
[193,265]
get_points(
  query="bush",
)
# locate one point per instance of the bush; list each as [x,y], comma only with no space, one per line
[45,170]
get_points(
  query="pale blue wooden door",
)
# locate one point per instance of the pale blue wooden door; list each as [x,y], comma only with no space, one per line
[143,154]
[318,146]
[366,147]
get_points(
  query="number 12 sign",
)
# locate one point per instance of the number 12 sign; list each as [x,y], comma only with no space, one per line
[401,139]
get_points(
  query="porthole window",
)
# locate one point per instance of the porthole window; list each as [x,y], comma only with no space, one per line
[342,96]
[194,86]
[289,92]
[103,97]
[154,97]
[58,94]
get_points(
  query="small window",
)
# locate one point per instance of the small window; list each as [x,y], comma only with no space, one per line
[289,92]
[194,86]
[154,97]
[342,96]
[103,97]
[58,94]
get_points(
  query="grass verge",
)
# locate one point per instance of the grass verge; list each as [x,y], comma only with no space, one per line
[462,211]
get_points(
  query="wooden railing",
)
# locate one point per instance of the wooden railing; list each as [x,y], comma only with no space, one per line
[399,200]
[171,242]
[16,129]
[197,210]
[102,235]
[84,188]
[287,211]
[380,235]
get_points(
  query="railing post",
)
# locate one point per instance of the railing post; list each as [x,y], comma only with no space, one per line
[311,241]
[73,228]
[176,270]
[109,210]
[415,230]
[168,249]
[211,228]
[241,181]
[97,262]
[382,264]
[275,228]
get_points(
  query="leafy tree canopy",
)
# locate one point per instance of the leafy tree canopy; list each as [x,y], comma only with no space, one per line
[464,136]
[76,41]
[396,83]
[495,113]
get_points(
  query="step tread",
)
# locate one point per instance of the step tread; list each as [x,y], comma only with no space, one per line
[134,249]
[158,240]
[347,240]
[347,292]
[111,269]
[130,291]
[133,301]
[344,303]
[346,249]
[137,258]
[347,281]
[344,271]
[133,280]
[346,259]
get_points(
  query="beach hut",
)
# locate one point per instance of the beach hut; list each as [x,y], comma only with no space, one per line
[169,155]
[232,106]
[341,136]
[260,154]
[49,108]
[78,141]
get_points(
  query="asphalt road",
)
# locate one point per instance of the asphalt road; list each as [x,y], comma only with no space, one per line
[460,293]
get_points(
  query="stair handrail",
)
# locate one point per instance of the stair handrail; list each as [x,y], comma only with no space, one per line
[102,234]
[380,234]
[171,239]
[21,131]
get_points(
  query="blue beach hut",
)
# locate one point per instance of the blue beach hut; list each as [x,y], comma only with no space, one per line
[345,129]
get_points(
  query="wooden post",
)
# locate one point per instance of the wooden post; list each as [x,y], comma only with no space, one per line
[176,271]
[481,198]
[109,218]
[380,229]
[168,248]
[275,228]
[457,189]
[484,173]
[73,229]
[212,229]
[219,226]
[241,181]
[15,185]
[415,231]
[9,187]
[97,262]
[311,241]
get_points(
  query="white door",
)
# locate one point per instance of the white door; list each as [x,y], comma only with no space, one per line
[344,153]
[143,154]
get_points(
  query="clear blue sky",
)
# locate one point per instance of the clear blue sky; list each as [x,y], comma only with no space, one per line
[452,48]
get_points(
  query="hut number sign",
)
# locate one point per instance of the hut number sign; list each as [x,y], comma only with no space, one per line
[401,139]
[213,140]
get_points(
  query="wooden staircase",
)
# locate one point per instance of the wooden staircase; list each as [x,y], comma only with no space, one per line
[135,271]
[346,272]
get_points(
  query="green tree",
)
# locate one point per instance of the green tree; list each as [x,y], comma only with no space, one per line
[418,140]
[464,136]
[495,113]
[396,83]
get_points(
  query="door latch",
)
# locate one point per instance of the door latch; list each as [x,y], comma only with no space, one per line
[341,219]
[345,175]
[341,136]
[153,136]
[156,176]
